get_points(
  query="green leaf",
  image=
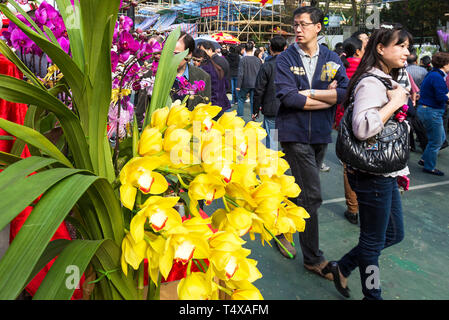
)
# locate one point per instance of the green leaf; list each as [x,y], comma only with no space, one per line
[135,137]
[23,168]
[108,258]
[8,158]
[166,74]
[64,275]
[32,239]
[36,139]
[26,16]
[15,90]
[21,192]
[53,249]
[71,14]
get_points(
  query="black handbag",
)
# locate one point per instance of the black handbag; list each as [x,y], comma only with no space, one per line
[386,152]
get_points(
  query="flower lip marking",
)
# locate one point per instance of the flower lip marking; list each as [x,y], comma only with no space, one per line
[158,220]
[231,267]
[227,172]
[210,197]
[184,252]
[145,182]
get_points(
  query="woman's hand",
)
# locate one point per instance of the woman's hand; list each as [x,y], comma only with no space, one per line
[398,96]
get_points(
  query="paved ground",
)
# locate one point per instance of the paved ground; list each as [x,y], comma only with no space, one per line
[414,269]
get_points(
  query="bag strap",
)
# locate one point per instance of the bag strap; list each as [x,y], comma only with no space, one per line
[385,81]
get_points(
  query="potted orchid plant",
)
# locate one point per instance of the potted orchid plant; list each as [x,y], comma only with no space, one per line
[122,200]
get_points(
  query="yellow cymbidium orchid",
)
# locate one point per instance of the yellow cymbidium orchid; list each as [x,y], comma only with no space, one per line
[156,246]
[138,174]
[270,162]
[238,220]
[245,291]
[196,286]
[150,142]
[159,118]
[117,94]
[204,113]
[161,214]
[230,121]
[206,187]
[133,253]
[287,184]
[179,116]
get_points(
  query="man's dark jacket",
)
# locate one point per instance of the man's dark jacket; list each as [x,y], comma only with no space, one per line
[195,74]
[265,90]
[295,124]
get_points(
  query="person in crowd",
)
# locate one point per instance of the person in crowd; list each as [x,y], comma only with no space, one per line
[259,54]
[417,72]
[248,68]
[209,48]
[310,80]
[265,99]
[339,49]
[218,82]
[362,36]
[380,208]
[354,49]
[431,107]
[198,56]
[233,58]
[189,72]
[426,63]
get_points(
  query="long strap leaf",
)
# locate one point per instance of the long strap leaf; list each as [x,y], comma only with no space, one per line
[29,244]
[35,139]
[64,275]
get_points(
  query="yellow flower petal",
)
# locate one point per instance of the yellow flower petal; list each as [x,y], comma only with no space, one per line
[150,142]
[159,118]
[128,195]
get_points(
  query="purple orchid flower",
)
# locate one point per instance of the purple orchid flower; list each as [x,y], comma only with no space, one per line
[20,41]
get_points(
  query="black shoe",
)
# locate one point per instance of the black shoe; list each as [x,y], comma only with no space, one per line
[352,217]
[332,267]
[445,145]
[421,162]
[434,171]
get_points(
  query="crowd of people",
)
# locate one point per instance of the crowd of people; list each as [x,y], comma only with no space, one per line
[303,92]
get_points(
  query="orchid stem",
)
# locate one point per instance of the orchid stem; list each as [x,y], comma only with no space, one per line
[182,182]
[225,290]
[226,204]
[278,242]
[140,282]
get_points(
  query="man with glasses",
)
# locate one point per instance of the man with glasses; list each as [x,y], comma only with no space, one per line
[186,70]
[310,81]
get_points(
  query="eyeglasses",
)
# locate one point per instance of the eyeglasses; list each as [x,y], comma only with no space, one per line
[303,25]
[197,60]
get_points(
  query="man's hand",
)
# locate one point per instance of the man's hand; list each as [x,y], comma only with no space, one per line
[333,85]
[254,116]
[237,89]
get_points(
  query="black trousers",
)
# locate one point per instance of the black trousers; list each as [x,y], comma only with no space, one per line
[305,161]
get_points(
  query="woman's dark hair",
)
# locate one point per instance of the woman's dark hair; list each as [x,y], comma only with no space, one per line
[207,59]
[188,41]
[198,53]
[440,59]
[425,62]
[257,52]
[350,47]
[208,45]
[386,35]
[249,46]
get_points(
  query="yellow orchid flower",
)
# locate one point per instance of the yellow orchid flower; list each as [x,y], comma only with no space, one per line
[119,94]
[270,162]
[133,253]
[226,241]
[138,173]
[238,220]
[230,121]
[159,118]
[241,195]
[179,116]
[150,142]
[206,187]
[161,214]
[204,113]
[176,138]
[287,184]
[196,286]
[155,250]
[246,291]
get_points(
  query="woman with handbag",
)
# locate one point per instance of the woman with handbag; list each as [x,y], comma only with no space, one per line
[374,146]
